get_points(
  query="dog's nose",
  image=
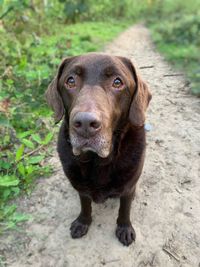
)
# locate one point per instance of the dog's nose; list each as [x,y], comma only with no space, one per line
[86,124]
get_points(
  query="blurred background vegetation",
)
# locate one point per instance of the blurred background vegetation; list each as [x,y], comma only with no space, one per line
[35,35]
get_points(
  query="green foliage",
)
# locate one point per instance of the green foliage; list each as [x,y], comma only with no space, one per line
[84,10]
[178,36]
[75,11]
[182,30]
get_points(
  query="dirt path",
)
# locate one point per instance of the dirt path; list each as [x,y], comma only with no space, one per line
[166,212]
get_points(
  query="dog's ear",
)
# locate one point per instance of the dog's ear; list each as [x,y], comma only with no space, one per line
[52,93]
[141,96]
[139,102]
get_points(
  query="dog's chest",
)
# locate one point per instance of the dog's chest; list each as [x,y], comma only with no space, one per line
[96,178]
[100,183]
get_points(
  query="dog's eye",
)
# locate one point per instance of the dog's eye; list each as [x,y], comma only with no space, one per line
[70,82]
[117,83]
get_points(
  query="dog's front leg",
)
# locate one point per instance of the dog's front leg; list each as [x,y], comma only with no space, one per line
[80,226]
[125,232]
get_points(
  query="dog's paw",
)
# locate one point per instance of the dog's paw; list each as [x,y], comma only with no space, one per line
[78,228]
[125,234]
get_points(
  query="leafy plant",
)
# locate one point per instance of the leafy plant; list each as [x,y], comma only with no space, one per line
[175,27]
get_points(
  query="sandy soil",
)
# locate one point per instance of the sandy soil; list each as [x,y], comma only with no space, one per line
[166,211]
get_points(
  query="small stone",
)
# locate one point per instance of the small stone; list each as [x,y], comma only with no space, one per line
[148,127]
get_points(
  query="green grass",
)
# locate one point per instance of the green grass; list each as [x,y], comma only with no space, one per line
[176,32]
[28,65]
[185,59]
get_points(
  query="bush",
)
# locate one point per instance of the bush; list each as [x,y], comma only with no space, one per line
[175,27]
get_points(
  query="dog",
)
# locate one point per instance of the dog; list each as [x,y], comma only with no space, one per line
[101,142]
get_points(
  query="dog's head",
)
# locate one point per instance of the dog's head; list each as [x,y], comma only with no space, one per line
[97,93]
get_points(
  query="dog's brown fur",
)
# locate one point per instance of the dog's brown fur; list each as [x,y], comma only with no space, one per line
[114,165]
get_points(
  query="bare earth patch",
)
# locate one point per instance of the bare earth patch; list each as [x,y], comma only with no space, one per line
[166,211]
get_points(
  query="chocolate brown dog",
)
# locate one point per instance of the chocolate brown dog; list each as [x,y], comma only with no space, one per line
[101,142]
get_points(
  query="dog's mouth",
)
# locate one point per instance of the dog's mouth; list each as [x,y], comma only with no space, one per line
[78,150]
[99,146]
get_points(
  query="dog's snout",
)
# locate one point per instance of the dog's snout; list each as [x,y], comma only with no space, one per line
[86,124]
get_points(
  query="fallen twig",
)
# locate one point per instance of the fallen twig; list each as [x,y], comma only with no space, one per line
[174,74]
[186,182]
[109,261]
[171,254]
[146,67]
[172,102]
[32,152]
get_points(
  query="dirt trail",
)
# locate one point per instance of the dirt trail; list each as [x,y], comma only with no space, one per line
[166,211]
